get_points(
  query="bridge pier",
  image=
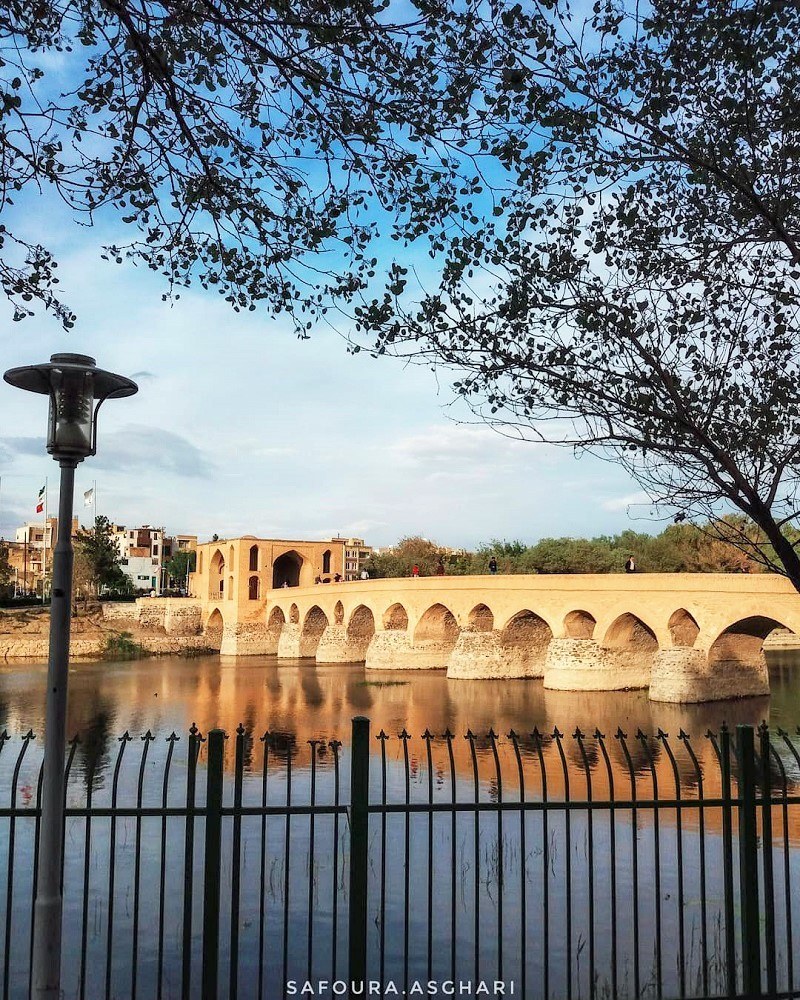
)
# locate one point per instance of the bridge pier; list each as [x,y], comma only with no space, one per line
[394,649]
[585,665]
[477,654]
[484,655]
[686,675]
[244,639]
[294,644]
[337,645]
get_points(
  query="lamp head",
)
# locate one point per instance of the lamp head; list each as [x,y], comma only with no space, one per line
[73,382]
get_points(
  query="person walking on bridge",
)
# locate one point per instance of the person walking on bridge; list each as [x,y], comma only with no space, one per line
[630,565]
[493,566]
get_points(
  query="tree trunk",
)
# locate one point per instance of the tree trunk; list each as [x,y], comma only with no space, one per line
[784,550]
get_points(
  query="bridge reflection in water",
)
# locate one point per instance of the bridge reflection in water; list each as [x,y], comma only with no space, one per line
[629,882]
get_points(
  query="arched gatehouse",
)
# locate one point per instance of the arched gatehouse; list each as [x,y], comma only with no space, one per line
[253,558]
[326,561]
[395,617]
[314,624]
[294,615]
[216,576]
[579,625]
[434,637]
[525,641]
[286,570]
[213,629]
[631,646]
[275,623]
[254,589]
[480,619]
[338,613]
[360,630]
[683,628]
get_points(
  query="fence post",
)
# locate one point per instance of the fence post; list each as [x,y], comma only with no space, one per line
[359,831]
[748,863]
[727,858]
[188,864]
[211,880]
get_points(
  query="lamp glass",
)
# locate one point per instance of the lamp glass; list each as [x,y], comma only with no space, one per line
[70,419]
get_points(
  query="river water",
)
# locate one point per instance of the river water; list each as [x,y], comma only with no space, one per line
[414,925]
[310,701]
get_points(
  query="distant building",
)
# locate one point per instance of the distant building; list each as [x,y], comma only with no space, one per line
[30,555]
[356,554]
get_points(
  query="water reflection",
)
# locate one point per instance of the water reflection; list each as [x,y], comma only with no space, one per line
[298,701]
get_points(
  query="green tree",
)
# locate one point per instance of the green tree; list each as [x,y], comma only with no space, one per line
[101,557]
[179,564]
[643,261]
[260,150]
[411,551]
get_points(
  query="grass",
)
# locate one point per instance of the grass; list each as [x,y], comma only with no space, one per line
[122,646]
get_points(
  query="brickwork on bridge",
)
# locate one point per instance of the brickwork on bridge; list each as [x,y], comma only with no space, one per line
[686,637]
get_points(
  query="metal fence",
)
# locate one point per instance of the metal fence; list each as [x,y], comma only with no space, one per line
[558,866]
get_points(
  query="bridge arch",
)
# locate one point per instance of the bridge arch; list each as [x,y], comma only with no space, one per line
[294,615]
[435,636]
[214,627]
[742,643]
[338,613]
[579,625]
[480,619]
[525,640]
[631,646]
[314,624]
[360,630]
[275,624]
[683,628]
[629,632]
[395,617]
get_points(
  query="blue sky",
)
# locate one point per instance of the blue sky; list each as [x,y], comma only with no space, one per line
[238,428]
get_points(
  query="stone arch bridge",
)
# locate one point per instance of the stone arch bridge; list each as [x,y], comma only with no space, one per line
[688,637]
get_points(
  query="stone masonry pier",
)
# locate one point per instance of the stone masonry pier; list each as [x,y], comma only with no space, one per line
[686,637]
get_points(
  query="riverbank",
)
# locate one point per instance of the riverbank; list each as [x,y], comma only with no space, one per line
[96,633]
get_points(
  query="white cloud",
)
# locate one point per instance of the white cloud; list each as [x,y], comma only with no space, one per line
[622,503]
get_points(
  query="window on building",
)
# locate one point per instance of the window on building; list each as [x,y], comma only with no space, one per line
[326,561]
[253,558]
[155,550]
[254,589]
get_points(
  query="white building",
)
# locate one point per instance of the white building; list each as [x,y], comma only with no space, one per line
[141,552]
[356,554]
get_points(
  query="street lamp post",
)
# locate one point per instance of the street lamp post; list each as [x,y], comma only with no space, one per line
[74,384]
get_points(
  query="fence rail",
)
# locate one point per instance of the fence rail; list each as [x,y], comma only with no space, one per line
[568,866]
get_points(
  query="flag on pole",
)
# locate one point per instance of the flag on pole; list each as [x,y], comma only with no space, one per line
[40,501]
[88,497]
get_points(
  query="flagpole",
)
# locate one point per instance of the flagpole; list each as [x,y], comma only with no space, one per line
[44,541]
